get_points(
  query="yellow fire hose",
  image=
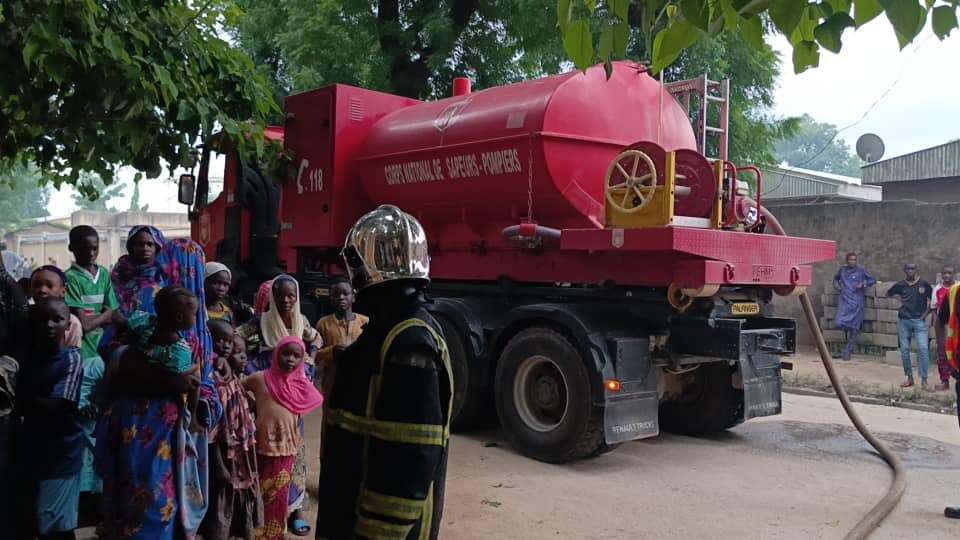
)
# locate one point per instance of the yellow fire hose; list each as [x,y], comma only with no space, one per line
[884,506]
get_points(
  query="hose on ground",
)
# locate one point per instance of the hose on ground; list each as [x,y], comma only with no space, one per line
[884,506]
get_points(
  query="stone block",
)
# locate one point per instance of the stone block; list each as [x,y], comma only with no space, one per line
[829,299]
[887,315]
[830,312]
[879,340]
[881,288]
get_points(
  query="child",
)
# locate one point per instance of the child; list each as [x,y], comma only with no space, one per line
[338,330]
[283,394]
[217,286]
[48,281]
[48,393]
[158,337]
[91,299]
[238,359]
[236,507]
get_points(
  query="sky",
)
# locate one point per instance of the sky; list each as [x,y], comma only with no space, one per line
[914,94]
[921,109]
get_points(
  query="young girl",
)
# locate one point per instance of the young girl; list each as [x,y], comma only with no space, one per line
[283,395]
[236,508]
[283,319]
[217,285]
[48,393]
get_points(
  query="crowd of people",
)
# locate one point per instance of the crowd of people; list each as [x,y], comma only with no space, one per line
[920,307]
[134,400]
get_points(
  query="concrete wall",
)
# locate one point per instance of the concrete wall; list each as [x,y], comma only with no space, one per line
[936,190]
[884,234]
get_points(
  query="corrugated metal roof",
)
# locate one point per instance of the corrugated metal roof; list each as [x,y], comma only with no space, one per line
[938,162]
[793,183]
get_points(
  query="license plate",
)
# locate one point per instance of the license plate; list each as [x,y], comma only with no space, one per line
[745,308]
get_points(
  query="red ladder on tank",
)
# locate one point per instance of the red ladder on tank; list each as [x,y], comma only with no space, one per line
[708,92]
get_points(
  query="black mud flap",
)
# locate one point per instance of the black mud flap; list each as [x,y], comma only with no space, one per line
[633,411]
[762,385]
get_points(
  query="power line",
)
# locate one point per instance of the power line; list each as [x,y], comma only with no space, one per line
[862,116]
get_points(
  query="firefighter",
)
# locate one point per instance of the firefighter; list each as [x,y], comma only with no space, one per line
[385,457]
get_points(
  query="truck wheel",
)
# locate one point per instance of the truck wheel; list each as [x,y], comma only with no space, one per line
[710,404]
[469,394]
[542,393]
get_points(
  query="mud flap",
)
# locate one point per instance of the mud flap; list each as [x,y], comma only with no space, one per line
[762,385]
[632,412]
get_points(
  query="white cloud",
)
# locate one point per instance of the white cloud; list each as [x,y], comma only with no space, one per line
[921,110]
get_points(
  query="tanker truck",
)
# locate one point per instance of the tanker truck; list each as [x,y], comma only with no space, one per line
[596,276]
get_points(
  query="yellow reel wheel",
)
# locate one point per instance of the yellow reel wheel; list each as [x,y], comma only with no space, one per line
[631,181]
[680,301]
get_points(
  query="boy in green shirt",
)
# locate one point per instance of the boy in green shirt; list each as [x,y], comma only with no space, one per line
[91,298]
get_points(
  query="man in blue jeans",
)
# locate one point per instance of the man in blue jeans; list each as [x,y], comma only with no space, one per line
[914,294]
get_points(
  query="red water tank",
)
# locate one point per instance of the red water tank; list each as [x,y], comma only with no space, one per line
[483,160]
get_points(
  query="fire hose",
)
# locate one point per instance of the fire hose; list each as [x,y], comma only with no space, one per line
[872,519]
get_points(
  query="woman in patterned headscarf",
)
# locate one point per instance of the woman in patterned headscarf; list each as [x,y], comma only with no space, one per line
[155,483]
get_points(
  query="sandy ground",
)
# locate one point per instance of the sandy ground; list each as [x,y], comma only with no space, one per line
[805,474]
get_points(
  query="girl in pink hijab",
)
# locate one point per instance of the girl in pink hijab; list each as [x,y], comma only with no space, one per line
[283,394]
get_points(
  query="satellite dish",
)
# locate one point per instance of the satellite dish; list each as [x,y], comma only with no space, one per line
[870,147]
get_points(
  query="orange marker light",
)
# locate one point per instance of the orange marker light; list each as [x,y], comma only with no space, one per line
[613,386]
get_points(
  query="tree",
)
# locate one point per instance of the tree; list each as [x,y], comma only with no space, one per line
[135,205]
[595,30]
[89,85]
[93,193]
[22,197]
[407,47]
[816,146]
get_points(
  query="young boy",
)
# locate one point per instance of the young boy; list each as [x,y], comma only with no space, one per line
[91,298]
[338,330]
[48,393]
[49,281]
[238,358]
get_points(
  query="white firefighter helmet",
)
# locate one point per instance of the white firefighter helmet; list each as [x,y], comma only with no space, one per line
[386,244]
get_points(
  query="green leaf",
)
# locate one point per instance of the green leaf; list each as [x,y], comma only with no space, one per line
[752,31]
[809,22]
[621,38]
[30,50]
[578,42]
[672,41]
[608,69]
[944,21]
[829,32]
[865,11]
[805,54]
[564,11]
[591,5]
[786,14]
[697,12]
[907,18]
[606,44]
[620,8]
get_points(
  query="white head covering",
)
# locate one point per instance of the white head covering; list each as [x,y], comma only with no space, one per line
[213,267]
[272,327]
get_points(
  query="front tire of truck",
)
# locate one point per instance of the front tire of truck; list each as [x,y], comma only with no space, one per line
[542,393]
[708,405]
[470,397]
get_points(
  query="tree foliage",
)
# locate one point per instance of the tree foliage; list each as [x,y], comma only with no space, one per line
[590,28]
[22,197]
[88,85]
[408,47]
[815,146]
[93,193]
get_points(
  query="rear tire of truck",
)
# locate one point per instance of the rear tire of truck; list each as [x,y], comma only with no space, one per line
[542,393]
[709,405]
[470,398]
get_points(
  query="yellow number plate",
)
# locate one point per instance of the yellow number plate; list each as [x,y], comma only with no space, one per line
[745,308]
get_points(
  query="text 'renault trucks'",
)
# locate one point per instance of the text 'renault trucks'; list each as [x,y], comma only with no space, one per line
[596,276]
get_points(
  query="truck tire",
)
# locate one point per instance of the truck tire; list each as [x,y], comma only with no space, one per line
[709,405]
[469,393]
[542,393]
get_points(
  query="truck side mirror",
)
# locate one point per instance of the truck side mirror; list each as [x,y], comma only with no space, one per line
[187,187]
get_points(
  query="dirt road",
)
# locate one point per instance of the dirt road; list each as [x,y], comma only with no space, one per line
[804,474]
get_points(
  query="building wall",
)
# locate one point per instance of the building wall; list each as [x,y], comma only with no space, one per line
[935,190]
[885,235]
[47,244]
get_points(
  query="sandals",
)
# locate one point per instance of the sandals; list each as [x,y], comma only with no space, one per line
[298,527]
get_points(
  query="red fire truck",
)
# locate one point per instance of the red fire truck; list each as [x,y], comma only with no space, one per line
[596,276]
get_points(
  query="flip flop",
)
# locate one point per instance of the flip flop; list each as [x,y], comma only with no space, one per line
[299,527]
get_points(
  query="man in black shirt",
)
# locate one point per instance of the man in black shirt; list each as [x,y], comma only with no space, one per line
[914,294]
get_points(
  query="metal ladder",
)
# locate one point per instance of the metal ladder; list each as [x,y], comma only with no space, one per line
[709,92]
